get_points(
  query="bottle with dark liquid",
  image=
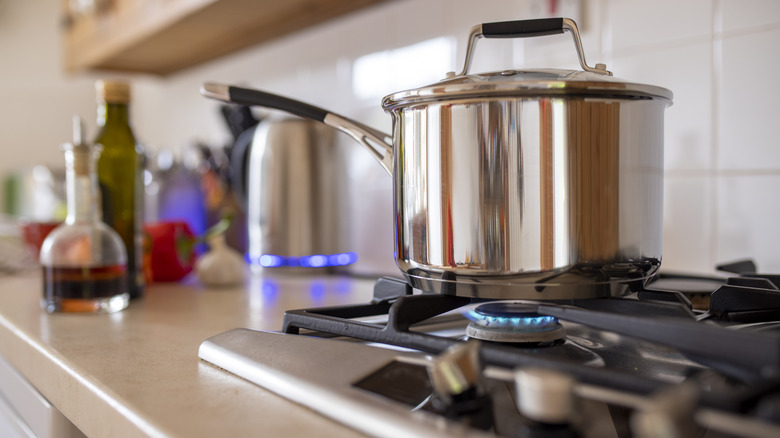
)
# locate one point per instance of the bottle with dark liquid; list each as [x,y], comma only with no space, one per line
[120,174]
[84,260]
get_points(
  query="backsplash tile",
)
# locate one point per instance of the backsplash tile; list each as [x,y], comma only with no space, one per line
[640,23]
[747,220]
[688,217]
[740,15]
[748,117]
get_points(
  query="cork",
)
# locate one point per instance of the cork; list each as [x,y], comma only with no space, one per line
[110,91]
[82,154]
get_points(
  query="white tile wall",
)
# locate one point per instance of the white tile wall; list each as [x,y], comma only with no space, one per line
[36,100]
[717,56]
[688,224]
[748,116]
[744,15]
[747,219]
[638,25]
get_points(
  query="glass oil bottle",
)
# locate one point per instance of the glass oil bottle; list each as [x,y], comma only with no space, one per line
[120,175]
[84,261]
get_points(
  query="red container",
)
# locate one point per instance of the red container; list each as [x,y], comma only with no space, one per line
[34,233]
[169,254]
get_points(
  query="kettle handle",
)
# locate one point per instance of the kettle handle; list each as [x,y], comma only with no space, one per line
[238,163]
[525,29]
[379,144]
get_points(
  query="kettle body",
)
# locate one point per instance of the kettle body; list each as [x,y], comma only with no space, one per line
[293,180]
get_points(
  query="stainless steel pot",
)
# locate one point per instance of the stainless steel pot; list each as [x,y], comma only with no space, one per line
[534,184]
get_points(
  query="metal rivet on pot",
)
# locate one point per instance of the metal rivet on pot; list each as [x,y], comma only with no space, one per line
[509,72]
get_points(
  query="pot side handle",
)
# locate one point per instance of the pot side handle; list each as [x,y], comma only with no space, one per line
[378,143]
[526,29]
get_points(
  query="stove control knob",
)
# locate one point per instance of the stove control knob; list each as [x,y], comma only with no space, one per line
[668,413]
[456,377]
[456,371]
[544,395]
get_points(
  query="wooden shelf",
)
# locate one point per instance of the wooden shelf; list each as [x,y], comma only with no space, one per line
[165,36]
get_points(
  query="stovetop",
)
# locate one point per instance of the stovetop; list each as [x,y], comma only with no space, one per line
[647,364]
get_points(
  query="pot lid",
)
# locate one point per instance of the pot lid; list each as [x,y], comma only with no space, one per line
[590,82]
[526,83]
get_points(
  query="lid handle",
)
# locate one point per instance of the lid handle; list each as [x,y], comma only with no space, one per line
[529,28]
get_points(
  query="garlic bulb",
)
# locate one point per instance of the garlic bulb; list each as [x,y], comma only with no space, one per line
[221,266]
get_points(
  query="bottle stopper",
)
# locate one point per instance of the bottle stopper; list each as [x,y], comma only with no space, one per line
[81,151]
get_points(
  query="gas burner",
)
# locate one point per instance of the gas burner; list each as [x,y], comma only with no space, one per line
[512,322]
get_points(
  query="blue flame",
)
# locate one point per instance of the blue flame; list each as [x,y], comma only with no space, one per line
[311,261]
[520,323]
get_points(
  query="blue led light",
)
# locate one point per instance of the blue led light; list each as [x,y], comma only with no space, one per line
[318,261]
[313,261]
[268,260]
[342,259]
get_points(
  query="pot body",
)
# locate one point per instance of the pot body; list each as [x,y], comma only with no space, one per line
[553,197]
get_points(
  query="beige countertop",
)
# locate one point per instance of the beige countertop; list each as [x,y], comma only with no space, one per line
[137,372]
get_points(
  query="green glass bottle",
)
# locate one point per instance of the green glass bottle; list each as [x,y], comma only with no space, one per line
[120,173]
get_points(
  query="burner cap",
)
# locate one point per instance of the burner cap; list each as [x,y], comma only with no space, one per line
[512,322]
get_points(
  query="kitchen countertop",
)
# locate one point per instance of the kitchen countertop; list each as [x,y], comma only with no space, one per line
[137,372]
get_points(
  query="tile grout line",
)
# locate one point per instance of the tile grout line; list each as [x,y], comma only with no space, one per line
[605,39]
[745,31]
[717,78]
[715,173]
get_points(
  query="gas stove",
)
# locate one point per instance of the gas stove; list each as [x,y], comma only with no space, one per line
[681,356]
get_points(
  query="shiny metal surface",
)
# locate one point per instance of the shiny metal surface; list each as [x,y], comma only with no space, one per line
[320,374]
[544,198]
[296,177]
[215,91]
[525,83]
[570,26]
[378,143]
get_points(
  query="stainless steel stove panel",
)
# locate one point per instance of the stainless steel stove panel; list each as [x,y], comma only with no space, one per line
[319,373]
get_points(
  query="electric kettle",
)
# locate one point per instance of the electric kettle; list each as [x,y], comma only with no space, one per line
[290,175]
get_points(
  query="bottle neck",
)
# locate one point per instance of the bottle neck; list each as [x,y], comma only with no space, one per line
[114,114]
[81,190]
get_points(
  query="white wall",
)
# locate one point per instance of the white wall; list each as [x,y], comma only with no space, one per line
[36,100]
[722,164]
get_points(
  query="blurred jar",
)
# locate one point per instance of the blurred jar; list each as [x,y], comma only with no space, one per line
[180,196]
